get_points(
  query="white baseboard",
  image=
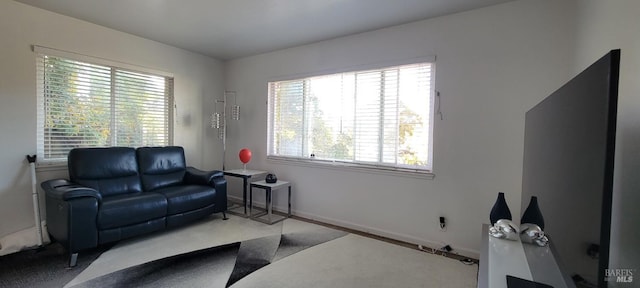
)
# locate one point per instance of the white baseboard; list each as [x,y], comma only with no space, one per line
[371,230]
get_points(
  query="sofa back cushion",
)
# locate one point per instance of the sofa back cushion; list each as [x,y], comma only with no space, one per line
[111,171]
[161,166]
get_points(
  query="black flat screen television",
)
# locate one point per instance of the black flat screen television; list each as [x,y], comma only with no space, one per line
[568,165]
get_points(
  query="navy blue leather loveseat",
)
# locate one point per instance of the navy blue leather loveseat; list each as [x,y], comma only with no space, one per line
[116,193]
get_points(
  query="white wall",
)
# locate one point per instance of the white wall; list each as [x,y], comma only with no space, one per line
[197,80]
[606,25]
[492,65]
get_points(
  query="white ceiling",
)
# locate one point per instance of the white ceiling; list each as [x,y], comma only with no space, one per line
[228,29]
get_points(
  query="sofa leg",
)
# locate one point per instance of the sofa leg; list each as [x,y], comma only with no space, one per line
[224,216]
[73,259]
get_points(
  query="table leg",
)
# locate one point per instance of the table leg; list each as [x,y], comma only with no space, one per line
[244,194]
[289,201]
[250,202]
[269,205]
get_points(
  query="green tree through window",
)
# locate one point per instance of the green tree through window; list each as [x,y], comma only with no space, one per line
[379,117]
[87,105]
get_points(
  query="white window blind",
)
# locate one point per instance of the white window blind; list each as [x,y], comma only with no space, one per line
[379,117]
[81,104]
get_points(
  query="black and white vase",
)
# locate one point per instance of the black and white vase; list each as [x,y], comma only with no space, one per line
[532,214]
[500,210]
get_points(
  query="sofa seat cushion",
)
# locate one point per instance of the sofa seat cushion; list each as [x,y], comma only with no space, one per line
[128,209]
[186,198]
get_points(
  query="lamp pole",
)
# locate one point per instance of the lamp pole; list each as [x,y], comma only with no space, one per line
[222,127]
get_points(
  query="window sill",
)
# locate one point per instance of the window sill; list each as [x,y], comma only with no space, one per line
[404,172]
[51,167]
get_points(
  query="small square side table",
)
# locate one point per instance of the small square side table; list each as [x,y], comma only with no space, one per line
[268,187]
[245,175]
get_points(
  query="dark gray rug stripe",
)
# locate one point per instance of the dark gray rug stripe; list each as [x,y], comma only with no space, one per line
[261,252]
[46,267]
[295,242]
[253,255]
[195,269]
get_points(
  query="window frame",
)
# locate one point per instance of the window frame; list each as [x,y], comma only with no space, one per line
[358,166]
[114,66]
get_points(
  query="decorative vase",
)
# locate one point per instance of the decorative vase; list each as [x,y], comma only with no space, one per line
[532,214]
[500,210]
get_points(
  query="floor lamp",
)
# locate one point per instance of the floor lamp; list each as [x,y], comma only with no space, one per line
[219,119]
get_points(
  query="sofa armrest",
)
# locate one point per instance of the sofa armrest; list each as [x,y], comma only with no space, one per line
[198,177]
[214,179]
[65,190]
[72,211]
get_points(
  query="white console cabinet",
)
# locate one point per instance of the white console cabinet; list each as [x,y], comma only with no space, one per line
[501,257]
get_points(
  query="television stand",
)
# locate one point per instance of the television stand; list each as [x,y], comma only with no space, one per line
[500,257]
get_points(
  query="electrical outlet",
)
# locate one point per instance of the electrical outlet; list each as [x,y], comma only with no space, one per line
[443,224]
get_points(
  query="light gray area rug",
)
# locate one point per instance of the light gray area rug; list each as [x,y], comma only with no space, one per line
[243,253]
